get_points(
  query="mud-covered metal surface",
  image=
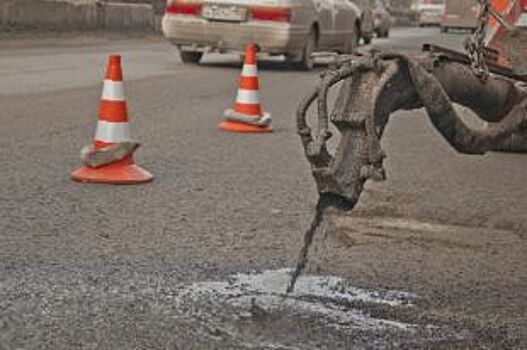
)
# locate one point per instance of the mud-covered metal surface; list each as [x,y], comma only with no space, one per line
[377,84]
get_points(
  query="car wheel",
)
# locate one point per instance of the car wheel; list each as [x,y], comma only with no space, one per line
[367,39]
[355,37]
[353,41]
[306,62]
[190,57]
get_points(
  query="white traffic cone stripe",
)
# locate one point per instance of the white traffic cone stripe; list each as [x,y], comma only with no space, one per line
[113,90]
[250,70]
[248,96]
[112,132]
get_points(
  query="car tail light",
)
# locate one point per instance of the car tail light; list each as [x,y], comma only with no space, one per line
[183,8]
[524,5]
[276,14]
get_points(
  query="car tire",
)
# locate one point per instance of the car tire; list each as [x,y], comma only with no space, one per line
[306,61]
[367,39]
[356,37]
[190,57]
[353,41]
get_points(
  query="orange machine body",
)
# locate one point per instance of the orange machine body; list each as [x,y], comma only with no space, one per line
[512,46]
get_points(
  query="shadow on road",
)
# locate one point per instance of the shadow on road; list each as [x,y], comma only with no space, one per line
[265,64]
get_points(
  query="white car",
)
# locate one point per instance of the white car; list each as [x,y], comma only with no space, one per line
[294,28]
[430,14]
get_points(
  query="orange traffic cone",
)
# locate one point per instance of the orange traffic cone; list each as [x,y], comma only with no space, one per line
[112,137]
[247,115]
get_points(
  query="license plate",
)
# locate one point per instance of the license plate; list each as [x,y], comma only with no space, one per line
[224,13]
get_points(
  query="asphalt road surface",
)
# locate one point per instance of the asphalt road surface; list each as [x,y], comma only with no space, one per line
[435,257]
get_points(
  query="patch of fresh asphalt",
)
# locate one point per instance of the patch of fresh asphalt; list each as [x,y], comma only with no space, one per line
[99,267]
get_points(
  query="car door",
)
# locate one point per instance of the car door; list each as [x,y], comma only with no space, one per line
[344,22]
[325,17]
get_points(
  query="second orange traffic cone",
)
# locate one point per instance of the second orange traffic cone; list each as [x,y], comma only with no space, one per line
[247,115]
[110,158]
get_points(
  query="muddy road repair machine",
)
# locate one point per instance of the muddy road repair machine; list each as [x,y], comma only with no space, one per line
[490,79]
